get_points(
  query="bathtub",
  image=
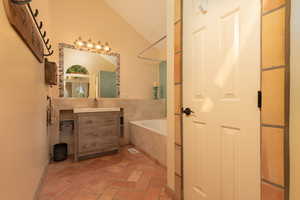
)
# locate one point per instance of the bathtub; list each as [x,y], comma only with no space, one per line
[149,136]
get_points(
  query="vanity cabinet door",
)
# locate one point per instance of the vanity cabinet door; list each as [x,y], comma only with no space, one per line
[93,139]
[96,133]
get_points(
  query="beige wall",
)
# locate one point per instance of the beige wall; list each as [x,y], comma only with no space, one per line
[295,99]
[23,135]
[170,99]
[94,19]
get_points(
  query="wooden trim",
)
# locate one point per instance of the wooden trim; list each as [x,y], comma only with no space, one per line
[180,194]
[287,101]
[41,183]
[18,16]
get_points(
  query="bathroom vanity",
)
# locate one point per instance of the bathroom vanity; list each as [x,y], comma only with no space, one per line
[97,132]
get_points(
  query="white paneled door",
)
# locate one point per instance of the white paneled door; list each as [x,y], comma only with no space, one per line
[221,77]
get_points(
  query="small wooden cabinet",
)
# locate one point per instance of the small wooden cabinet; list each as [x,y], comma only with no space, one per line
[96,133]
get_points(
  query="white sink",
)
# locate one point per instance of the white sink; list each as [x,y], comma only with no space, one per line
[92,110]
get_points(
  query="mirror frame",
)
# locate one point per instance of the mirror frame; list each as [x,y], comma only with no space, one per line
[61,70]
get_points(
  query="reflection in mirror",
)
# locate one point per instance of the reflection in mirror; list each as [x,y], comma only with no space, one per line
[86,74]
[77,82]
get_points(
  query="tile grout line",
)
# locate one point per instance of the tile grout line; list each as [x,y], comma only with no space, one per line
[273,10]
[273,184]
[273,68]
[273,126]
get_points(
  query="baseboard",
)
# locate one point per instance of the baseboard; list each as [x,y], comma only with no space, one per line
[41,183]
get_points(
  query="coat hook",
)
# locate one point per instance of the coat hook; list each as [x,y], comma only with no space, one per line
[50,53]
[36,13]
[41,25]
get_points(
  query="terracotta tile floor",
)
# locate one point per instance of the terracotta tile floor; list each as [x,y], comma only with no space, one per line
[122,176]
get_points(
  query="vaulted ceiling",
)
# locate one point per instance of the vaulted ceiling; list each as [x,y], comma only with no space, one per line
[147,17]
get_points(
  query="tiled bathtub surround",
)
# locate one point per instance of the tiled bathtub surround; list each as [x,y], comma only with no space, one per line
[152,142]
[134,110]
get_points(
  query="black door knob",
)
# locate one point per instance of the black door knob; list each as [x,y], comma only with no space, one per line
[187,111]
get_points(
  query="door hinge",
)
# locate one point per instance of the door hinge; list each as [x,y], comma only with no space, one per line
[259,99]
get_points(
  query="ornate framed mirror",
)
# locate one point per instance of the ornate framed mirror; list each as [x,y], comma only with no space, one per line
[88,74]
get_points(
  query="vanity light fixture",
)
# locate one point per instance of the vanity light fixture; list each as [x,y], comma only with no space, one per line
[106,47]
[91,46]
[98,46]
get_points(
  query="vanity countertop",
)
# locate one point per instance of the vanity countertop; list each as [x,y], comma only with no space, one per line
[93,110]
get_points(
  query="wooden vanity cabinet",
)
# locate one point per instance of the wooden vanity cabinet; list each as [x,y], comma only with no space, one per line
[96,133]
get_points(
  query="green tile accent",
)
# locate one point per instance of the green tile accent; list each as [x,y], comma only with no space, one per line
[163,79]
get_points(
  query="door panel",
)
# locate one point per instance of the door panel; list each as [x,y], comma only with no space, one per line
[199,37]
[229,42]
[221,77]
[230,163]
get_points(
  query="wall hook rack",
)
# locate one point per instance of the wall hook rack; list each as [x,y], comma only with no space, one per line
[39,26]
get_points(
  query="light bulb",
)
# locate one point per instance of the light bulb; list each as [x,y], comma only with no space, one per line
[98,46]
[90,45]
[79,43]
[106,47]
